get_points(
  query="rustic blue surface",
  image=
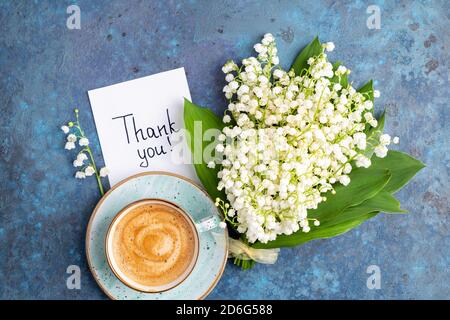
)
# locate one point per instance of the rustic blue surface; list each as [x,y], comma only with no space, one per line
[46,70]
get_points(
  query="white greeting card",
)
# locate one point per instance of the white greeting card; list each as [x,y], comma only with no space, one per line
[136,121]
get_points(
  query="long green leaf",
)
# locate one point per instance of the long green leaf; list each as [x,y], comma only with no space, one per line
[367,90]
[364,184]
[383,201]
[402,166]
[314,48]
[208,120]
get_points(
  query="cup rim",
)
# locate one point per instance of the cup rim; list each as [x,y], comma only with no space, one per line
[122,212]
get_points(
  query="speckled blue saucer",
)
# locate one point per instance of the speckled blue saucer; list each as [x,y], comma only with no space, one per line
[213,250]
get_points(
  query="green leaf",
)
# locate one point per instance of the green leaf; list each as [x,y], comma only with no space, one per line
[314,48]
[364,184]
[367,90]
[196,121]
[402,166]
[383,201]
[343,79]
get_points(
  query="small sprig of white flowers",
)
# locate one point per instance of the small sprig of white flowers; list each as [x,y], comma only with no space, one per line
[84,160]
[295,136]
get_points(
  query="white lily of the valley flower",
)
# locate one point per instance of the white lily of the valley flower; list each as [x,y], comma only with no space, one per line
[329,46]
[82,156]
[341,70]
[69,145]
[80,175]
[229,77]
[229,67]
[77,163]
[104,172]
[89,171]
[222,224]
[385,139]
[71,138]
[381,151]
[65,129]
[268,39]
[83,142]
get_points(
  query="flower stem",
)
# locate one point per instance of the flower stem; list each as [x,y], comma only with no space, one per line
[97,175]
[244,264]
[88,150]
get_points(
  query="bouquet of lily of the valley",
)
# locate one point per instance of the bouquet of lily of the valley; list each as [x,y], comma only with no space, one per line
[299,156]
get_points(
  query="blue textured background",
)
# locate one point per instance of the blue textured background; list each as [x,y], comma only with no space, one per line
[46,70]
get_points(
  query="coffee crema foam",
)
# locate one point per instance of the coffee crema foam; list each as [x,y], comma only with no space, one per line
[154,244]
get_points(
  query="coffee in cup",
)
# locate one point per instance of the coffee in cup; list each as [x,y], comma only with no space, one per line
[152,245]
